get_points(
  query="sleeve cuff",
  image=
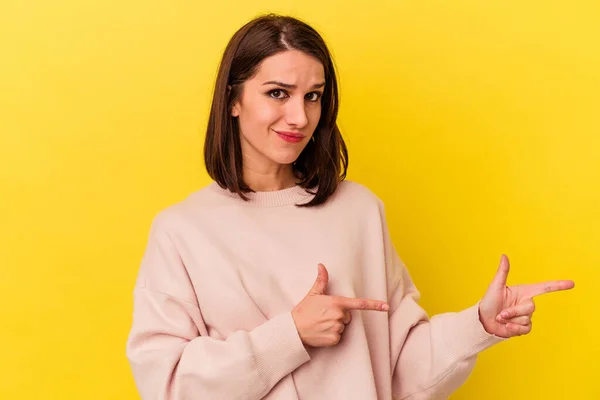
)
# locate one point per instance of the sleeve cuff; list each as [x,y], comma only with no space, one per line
[278,348]
[467,337]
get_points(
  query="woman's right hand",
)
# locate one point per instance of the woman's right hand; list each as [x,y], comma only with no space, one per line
[321,319]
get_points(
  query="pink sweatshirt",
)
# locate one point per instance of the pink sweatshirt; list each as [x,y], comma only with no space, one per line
[219,278]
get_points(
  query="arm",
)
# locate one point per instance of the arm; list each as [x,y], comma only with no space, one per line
[170,354]
[434,356]
[431,357]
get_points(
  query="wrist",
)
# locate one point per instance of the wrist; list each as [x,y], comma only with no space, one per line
[294,320]
[482,321]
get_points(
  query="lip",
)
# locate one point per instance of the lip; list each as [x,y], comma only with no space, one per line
[291,137]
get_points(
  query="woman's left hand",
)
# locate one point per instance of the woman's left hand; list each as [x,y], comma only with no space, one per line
[506,311]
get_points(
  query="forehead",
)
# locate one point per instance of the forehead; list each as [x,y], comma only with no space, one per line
[291,66]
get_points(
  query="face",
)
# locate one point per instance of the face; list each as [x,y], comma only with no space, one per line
[279,109]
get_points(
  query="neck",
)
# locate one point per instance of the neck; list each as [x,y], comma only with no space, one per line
[278,178]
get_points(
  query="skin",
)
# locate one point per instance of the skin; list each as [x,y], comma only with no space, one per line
[266,107]
[506,311]
[284,97]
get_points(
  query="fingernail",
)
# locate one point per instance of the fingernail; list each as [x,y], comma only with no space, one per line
[504,314]
[385,307]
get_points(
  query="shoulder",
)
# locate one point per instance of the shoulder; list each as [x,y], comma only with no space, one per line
[357,192]
[195,207]
[358,195]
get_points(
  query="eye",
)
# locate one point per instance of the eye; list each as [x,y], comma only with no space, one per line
[277,94]
[313,96]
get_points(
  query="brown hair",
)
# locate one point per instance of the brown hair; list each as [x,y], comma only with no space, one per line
[324,161]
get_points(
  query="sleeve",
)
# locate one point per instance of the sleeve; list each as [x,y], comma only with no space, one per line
[170,353]
[431,357]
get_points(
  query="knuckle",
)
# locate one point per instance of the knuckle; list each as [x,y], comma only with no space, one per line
[335,339]
[335,302]
[525,329]
[520,330]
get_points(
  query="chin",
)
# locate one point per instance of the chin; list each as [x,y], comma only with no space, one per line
[285,158]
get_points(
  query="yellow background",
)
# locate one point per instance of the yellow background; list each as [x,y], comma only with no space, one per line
[477,122]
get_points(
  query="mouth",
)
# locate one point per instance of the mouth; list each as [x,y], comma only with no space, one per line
[291,137]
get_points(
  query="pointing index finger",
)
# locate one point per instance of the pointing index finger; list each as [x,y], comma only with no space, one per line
[537,289]
[362,304]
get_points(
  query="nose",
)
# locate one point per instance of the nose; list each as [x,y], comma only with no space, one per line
[295,113]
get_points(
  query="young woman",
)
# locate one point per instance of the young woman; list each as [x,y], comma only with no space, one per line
[279,280]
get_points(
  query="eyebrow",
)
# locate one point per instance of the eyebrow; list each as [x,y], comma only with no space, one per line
[289,86]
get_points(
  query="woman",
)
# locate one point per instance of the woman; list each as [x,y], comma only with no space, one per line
[279,280]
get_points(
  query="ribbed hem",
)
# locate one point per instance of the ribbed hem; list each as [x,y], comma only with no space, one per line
[277,198]
[278,348]
[466,336]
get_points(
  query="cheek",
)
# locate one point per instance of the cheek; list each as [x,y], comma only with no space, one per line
[315,115]
[258,117]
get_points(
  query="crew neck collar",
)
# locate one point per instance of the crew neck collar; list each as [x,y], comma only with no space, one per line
[277,198]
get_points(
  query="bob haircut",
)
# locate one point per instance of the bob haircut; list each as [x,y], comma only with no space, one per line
[323,163]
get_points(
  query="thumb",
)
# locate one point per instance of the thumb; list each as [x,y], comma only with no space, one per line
[501,277]
[320,284]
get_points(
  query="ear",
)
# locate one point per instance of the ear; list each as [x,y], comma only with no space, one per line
[235,110]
